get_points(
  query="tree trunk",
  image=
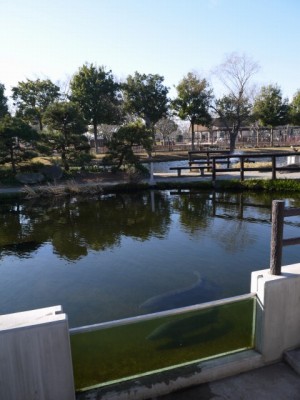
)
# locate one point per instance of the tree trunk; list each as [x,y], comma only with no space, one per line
[12,159]
[40,124]
[148,122]
[193,135]
[95,137]
[150,126]
[272,137]
[232,139]
[64,160]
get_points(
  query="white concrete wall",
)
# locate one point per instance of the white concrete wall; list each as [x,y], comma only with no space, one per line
[278,314]
[35,356]
[293,160]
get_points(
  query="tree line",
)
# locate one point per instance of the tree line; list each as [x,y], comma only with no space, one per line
[47,121]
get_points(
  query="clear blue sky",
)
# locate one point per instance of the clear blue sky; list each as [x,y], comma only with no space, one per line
[53,38]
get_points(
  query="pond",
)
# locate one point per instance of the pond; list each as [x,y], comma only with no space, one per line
[122,255]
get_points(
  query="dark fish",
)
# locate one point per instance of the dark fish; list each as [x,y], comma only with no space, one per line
[200,292]
[187,331]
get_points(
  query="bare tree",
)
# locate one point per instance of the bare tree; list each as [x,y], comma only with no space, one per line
[107,131]
[64,85]
[234,107]
[166,126]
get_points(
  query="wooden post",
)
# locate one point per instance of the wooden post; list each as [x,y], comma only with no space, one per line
[241,206]
[207,157]
[276,236]
[242,168]
[214,203]
[214,170]
[151,181]
[273,167]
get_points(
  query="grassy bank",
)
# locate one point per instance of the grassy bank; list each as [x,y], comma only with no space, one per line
[73,189]
[78,181]
[280,185]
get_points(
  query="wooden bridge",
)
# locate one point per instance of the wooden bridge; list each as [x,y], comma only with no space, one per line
[216,162]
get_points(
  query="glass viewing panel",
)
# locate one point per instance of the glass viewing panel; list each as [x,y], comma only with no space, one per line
[140,347]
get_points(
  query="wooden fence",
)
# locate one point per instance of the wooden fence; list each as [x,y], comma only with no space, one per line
[205,154]
[243,158]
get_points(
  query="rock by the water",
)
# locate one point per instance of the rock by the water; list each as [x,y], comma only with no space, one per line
[30,177]
[52,172]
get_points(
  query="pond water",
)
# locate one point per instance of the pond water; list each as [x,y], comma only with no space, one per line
[122,255]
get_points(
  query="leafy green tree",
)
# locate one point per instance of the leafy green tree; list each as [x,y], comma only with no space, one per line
[3,102]
[15,138]
[32,99]
[234,108]
[98,96]
[66,125]
[270,109]
[193,100]
[295,109]
[145,96]
[123,141]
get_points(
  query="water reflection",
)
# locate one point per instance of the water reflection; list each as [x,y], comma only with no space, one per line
[236,205]
[21,249]
[75,227]
[128,254]
[195,211]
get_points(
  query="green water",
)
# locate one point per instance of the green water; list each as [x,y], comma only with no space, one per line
[137,348]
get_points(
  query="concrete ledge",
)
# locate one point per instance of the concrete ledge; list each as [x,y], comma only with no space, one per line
[292,357]
[35,355]
[165,382]
[31,318]
[278,318]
